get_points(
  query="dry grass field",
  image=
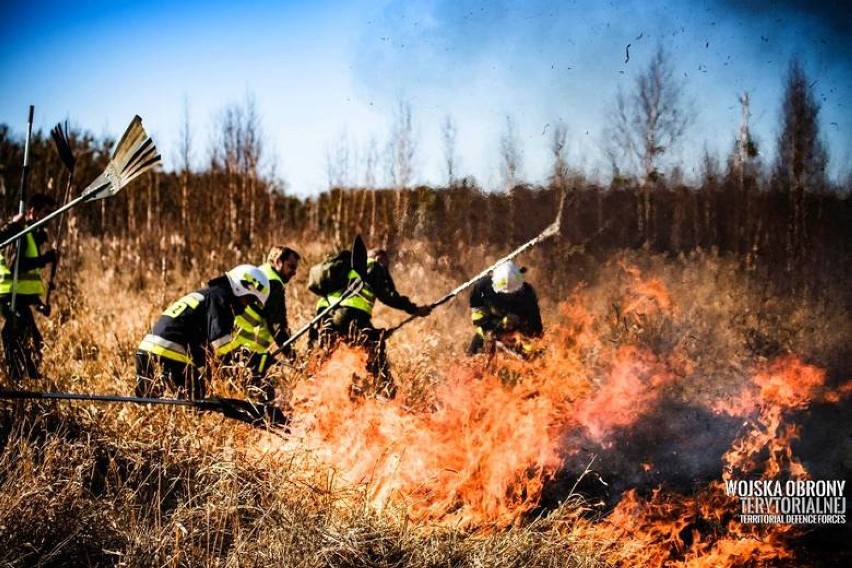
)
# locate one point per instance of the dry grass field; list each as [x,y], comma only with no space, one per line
[659,377]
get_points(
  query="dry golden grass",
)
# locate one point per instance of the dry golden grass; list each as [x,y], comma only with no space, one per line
[92,484]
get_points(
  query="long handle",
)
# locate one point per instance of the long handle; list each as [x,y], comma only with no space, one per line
[63,148]
[44,220]
[25,174]
[550,231]
[242,410]
[354,287]
[33,395]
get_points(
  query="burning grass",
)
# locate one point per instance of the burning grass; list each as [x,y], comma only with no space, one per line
[657,380]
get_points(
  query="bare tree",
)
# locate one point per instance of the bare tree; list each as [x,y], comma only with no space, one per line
[647,124]
[338,159]
[371,161]
[802,158]
[237,150]
[402,147]
[225,157]
[744,158]
[511,156]
[252,153]
[401,150]
[449,131]
[185,164]
[558,141]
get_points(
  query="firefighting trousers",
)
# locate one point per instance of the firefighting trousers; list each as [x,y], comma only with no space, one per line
[22,341]
[152,372]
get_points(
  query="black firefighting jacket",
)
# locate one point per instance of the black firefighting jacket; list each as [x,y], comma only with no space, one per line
[496,313]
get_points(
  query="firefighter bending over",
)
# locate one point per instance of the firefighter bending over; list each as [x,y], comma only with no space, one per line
[196,327]
[352,322]
[504,310]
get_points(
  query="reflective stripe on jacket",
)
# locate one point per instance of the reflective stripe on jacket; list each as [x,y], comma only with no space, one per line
[29,282]
[198,324]
[363,300]
[164,348]
[250,332]
[270,271]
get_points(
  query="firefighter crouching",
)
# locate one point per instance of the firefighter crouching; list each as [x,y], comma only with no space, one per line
[504,311]
[195,327]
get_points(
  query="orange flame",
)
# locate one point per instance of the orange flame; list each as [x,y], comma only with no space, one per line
[499,431]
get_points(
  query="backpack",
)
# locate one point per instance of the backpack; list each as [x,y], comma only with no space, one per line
[330,275]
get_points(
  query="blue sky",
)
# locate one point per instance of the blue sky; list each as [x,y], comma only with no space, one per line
[322,72]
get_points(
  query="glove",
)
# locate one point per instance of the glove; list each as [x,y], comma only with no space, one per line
[510,322]
[422,311]
[43,309]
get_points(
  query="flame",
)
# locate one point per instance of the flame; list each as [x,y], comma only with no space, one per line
[777,387]
[633,382]
[692,531]
[480,456]
[499,430]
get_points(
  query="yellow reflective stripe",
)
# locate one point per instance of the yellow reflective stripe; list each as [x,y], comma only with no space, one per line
[251,328]
[256,341]
[225,349]
[29,282]
[250,332]
[193,299]
[264,360]
[165,348]
[477,314]
[249,318]
[364,300]
[269,270]
[30,275]
[244,341]
[221,342]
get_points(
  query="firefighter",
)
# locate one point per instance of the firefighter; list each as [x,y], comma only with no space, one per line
[196,327]
[22,341]
[351,321]
[281,265]
[504,310]
[255,330]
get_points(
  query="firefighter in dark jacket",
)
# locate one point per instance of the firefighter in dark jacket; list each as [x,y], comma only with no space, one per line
[22,341]
[504,310]
[196,327]
[352,322]
[281,265]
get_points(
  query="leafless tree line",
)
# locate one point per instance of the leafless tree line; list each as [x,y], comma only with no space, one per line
[233,203]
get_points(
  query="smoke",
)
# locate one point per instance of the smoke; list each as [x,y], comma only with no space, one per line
[540,62]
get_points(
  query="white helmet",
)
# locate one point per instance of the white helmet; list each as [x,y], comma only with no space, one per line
[507,278]
[246,280]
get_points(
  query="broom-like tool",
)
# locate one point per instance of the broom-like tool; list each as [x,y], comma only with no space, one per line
[134,155]
[59,133]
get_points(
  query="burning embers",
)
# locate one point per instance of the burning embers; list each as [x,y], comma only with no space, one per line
[492,447]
